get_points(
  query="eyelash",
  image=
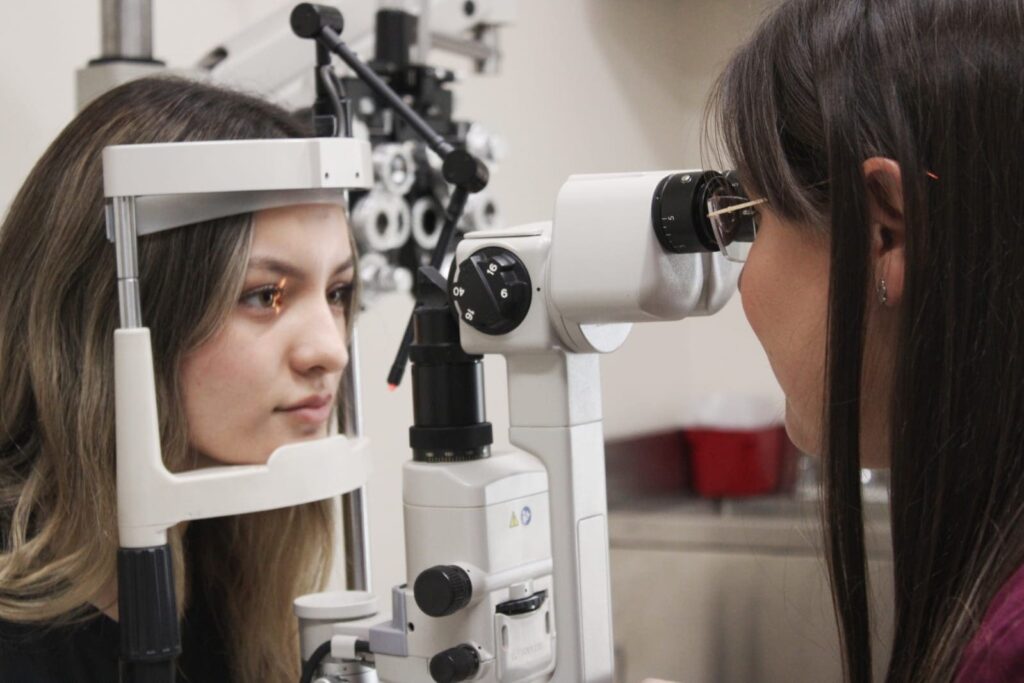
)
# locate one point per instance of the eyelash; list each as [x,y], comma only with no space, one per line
[344,292]
[252,298]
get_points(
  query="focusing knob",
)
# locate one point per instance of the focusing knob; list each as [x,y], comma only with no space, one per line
[442,590]
[460,663]
[679,212]
[492,291]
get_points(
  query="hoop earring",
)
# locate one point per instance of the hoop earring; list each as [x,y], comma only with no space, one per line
[883,292]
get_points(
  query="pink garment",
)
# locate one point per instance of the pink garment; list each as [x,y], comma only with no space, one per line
[996,653]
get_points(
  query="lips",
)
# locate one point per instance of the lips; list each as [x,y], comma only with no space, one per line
[311,410]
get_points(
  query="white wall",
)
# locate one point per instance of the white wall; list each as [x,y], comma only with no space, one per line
[590,86]
[605,85]
[587,86]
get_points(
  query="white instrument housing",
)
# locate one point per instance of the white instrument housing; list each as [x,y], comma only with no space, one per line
[596,269]
[163,186]
[491,517]
[593,272]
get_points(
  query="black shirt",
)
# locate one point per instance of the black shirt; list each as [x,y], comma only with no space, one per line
[88,652]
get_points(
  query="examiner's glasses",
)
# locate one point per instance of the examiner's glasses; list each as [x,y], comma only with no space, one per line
[733,216]
[733,219]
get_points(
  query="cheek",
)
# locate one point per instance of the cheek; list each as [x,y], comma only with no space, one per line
[227,388]
[223,367]
[763,295]
[786,309]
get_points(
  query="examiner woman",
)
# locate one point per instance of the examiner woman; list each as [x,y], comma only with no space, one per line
[885,145]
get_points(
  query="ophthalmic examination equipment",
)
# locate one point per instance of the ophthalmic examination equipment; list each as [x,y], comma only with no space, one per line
[506,552]
[396,221]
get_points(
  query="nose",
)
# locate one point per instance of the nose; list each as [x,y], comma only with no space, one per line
[320,342]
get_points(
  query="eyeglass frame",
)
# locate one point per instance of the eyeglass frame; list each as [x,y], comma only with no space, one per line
[764,200]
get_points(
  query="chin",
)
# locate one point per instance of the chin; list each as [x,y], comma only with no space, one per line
[800,438]
[802,444]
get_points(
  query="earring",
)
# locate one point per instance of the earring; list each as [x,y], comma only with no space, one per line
[883,292]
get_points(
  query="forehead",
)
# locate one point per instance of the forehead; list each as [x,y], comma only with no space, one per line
[309,232]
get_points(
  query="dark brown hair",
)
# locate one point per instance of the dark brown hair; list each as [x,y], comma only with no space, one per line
[936,85]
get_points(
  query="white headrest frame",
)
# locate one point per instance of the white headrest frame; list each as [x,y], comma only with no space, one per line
[181,183]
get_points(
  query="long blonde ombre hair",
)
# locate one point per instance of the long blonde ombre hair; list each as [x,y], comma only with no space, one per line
[58,500]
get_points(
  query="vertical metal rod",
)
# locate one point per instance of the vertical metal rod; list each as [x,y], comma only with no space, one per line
[423,38]
[354,518]
[127,27]
[121,212]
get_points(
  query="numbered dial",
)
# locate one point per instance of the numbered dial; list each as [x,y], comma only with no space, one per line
[492,291]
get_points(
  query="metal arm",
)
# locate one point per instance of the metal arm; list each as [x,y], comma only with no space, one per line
[460,168]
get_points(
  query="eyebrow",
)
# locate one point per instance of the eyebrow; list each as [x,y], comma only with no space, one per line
[275,265]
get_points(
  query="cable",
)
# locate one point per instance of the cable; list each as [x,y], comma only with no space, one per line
[330,38]
[360,648]
[310,667]
[344,100]
[325,73]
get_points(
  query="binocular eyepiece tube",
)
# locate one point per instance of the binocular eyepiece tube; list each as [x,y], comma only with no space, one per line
[680,208]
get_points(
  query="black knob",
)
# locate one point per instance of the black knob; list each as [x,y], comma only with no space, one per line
[679,211]
[457,664]
[442,590]
[492,291]
[463,169]
[309,19]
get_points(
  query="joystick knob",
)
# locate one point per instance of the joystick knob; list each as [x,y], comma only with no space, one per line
[460,663]
[442,590]
[492,291]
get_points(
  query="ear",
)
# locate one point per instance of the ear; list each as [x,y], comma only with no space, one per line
[884,192]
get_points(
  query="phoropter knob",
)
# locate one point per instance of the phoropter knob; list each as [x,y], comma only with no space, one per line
[492,291]
[442,590]
[460,663]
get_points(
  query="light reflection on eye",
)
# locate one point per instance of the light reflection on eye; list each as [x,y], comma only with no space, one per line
[268,297]
[278,294]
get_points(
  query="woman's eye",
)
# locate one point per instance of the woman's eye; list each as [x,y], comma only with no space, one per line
[340,296]
[265,298]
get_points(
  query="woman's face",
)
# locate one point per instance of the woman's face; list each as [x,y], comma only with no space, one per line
[785,289]
[270,375]
[784,286]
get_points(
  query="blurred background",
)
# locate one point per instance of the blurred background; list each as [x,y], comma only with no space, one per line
[717,573]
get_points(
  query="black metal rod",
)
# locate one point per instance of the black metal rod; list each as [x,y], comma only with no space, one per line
[456,205]
[330,38]
[461,169]
[149,630]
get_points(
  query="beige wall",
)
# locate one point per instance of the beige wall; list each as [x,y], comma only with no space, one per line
[587,86]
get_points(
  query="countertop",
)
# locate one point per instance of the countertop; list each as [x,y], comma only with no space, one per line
[771,524]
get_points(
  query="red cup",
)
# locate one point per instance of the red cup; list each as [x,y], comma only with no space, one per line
[728,463]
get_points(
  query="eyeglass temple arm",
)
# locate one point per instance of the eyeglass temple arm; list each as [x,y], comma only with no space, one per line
[738,207]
